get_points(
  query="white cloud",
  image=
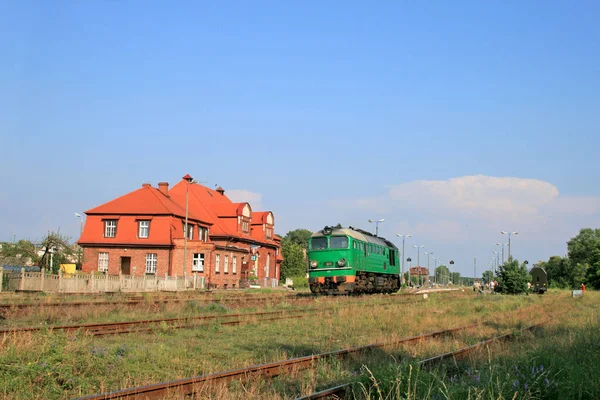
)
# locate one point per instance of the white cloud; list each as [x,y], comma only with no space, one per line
[243,195]
[482,195]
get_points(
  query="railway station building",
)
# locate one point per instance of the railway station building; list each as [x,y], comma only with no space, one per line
[141,233]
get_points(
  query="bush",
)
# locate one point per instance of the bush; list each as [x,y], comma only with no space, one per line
[513,278]
[299,281]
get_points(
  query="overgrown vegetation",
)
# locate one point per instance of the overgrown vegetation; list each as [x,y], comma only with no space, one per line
[58,365]
[582,264]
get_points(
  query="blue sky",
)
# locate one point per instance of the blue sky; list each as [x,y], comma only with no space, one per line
[451,120]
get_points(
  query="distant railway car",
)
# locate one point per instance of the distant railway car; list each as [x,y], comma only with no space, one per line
[349,260]
[539,280]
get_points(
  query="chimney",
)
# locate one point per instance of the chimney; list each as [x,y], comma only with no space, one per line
[164,188]
[220,190]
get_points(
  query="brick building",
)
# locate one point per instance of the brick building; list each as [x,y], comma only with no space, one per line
[142,232]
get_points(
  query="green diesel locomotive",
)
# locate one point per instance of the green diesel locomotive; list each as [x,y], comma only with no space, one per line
[350,260]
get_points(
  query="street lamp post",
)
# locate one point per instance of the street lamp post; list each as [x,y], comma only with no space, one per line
[509,233]
[188,179]
[377,225]
[79,257]
[418,256]
[502,244]
[428,254]
[496,260]
[402,258]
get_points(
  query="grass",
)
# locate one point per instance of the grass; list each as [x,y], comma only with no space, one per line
[55,365]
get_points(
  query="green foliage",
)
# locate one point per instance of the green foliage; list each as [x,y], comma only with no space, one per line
[299,237]
[593,276]
[19,253]
[487,276]
[559,272]
[294,260]
[61,247]
[455,277]
[513,278]
[300,282]
[442,274]
[585,247]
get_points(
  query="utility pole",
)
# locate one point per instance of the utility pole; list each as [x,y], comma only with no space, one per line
[187,178]
[474,270]
[402,258]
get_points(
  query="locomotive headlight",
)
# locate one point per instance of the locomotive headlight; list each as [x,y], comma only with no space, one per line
[314,264]
[341,262]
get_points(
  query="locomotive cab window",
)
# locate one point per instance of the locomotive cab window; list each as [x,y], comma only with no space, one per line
[319,243]
[338,242]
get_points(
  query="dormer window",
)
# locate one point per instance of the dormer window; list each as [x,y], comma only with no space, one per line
[245,226]
[110,228]
[269,233]
[190,231]
[143,229]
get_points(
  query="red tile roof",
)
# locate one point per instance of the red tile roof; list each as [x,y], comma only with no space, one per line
[147,201]
[219,208]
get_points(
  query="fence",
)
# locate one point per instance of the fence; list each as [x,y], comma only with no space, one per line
[90,283]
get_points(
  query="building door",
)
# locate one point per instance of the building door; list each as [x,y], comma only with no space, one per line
[126,265]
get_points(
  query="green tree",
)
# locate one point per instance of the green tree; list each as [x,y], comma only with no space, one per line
[20,253]
[298,236]
[294,261]
[487,276]
[585,247]
[61,248]
[442,274]
[513,277]
[455,278]
[593,276]
[559,272]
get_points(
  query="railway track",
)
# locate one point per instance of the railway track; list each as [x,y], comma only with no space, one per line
[108,328]
[339,392]
[231,301]
[141,300]
[188,386]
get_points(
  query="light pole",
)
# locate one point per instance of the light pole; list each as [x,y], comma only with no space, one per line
[435,260]
[188,179]
[402,258]
[474,270]
[418,256]
[428,254]
[79,258]
[509,233]
[377,225]
[502,244]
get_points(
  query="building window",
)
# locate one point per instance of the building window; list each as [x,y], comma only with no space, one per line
[226,266]
[269,233]
[234,265]
[217,263]
[268,265]
[110,228]
[203,234]
[244,226]
[103,262]
[144,229]
[151,262]
[198,262]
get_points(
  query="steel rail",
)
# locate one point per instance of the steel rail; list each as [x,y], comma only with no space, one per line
[106,325]
[336,392]
[460,353]
[144,322]
[188,386]
[148,302]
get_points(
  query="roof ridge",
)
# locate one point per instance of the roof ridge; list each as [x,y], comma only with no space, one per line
[160,200]
[209,212]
